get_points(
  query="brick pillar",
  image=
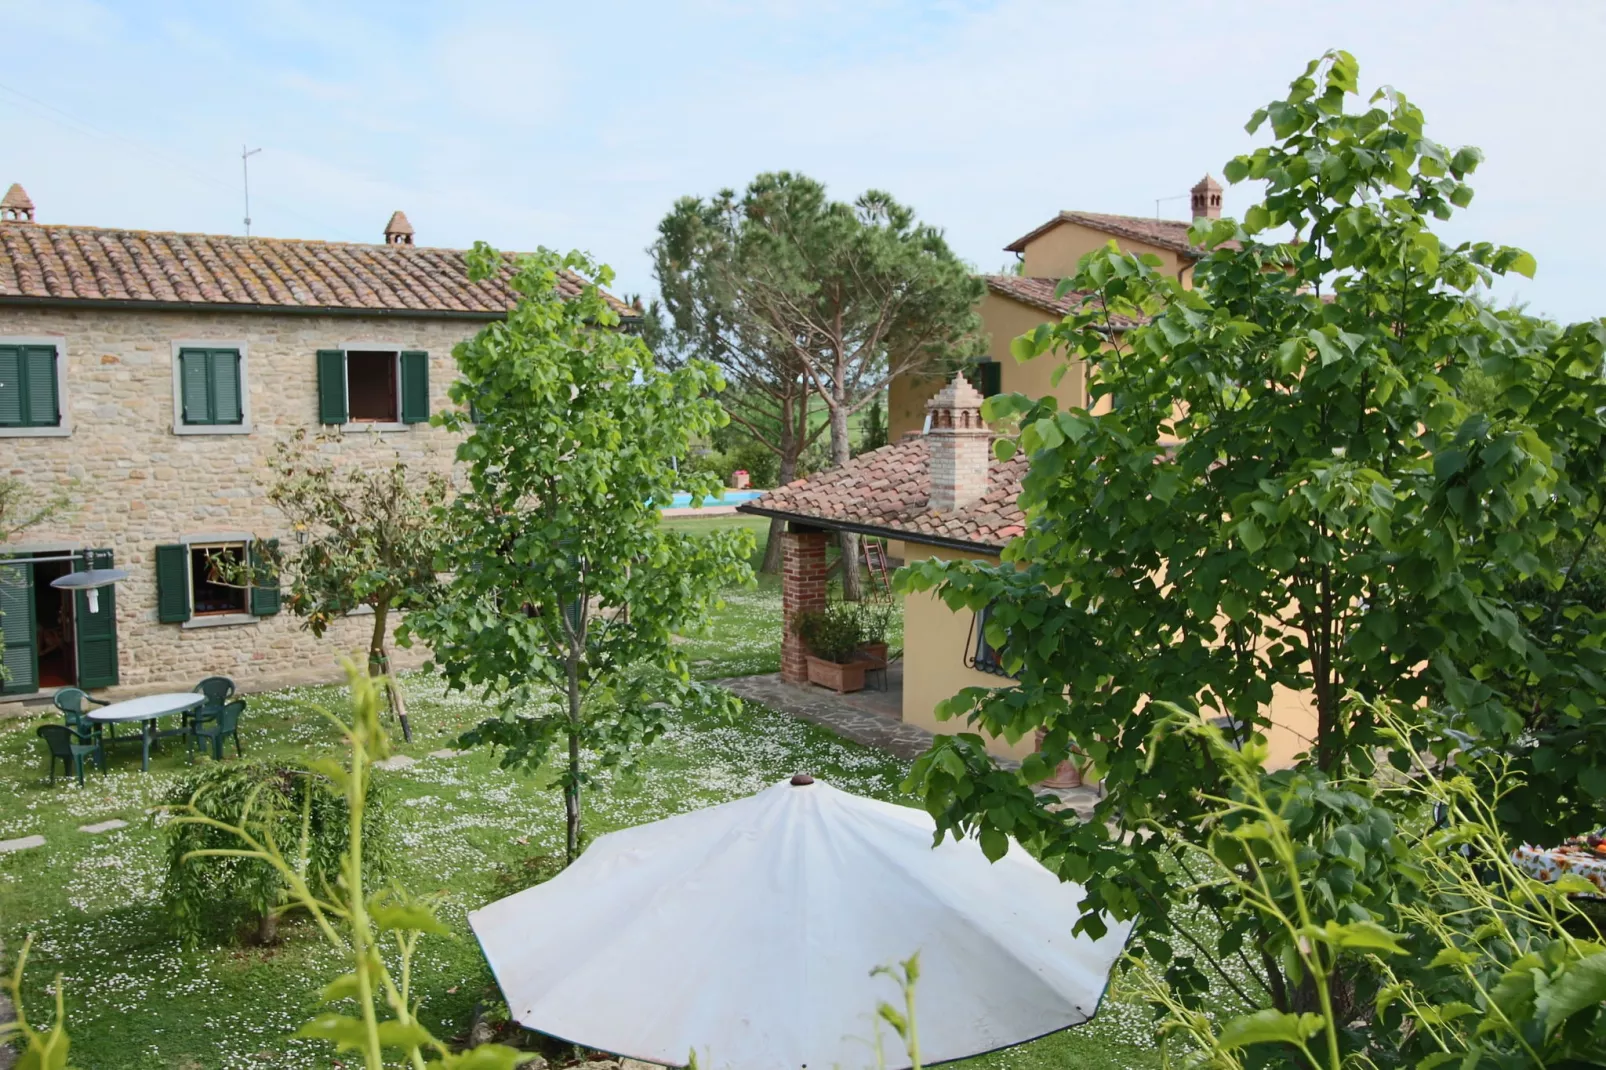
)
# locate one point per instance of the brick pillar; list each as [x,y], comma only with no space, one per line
[1069,773]
[802,590]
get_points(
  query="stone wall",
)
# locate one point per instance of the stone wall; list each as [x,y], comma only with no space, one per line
[138,484]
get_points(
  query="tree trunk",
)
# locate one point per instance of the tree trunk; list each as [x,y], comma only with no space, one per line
[379,665]
[841,454]
[772,550]
[571,787]
[268,928]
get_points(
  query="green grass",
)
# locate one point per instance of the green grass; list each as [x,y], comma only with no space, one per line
[137,1001]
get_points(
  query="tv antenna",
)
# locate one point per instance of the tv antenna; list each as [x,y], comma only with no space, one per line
[1157,201]
[245,174]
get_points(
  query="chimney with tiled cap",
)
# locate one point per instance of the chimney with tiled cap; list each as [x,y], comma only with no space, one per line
[1207,198]
[959,445]
[15,207]
[398,231]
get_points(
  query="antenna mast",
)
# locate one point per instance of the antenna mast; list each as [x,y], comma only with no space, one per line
[245,174]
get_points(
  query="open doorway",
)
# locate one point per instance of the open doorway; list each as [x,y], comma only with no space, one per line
[53,616]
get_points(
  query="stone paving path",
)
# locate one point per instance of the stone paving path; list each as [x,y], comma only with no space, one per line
[859,717]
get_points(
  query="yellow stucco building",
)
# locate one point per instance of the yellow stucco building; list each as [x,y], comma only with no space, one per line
[936,491]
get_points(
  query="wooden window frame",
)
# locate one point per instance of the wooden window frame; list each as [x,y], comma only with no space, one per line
[63,425]
[241,347]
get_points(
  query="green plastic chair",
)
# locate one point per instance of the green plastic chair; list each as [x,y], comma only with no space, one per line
[217,691]
[214,730]
[74,706]
[63,743]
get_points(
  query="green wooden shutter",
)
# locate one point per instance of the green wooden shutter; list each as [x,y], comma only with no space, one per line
[264,580]
[18,653]
[414,386]
[172,584]
[194,393]
[331,386]
[10,386]
[97,632]
[989,378]
[224,364]
[39,375]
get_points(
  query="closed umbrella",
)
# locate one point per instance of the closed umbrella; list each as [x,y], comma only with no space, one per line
[748,931]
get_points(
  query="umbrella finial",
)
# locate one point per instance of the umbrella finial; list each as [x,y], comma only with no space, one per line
[801,780]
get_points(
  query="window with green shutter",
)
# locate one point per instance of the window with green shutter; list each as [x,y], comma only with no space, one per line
[989,378]
[414,386]
[331,386]
[28,395]
[17,651]
[210,387]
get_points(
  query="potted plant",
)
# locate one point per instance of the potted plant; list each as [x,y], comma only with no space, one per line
[833,636]
[874,620]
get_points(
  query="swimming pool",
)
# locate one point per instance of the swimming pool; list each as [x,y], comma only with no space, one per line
[682,500]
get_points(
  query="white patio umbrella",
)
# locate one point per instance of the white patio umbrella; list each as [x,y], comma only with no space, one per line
[747,932]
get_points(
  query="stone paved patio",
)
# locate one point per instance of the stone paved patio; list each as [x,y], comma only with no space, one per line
[873,718]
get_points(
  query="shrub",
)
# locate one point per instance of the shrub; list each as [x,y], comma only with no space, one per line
[276,802]
[834,633]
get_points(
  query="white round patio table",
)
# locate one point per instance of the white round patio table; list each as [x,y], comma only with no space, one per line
[146,710]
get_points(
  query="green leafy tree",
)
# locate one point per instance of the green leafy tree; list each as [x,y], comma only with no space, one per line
[563,577]
[1331,516]
[365,535]
[847,296]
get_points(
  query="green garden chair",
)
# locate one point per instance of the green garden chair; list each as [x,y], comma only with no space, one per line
[74,706]
[63,744]
[214,730]
[218,690]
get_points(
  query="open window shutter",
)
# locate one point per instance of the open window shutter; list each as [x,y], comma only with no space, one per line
[10,386]
[97,632]
[331,386]
[40,376]
[989,378]
[17,630]
[172,584]
[414,386]
[226,386]
[193,390]
[264,579]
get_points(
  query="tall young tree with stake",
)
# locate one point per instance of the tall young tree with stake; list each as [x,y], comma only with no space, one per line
[563,578]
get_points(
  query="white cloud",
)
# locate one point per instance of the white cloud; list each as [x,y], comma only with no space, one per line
[503,73]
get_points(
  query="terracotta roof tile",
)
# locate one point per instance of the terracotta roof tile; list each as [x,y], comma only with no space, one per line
[106,264]
[1038,292]
[1163,233]
[888,490]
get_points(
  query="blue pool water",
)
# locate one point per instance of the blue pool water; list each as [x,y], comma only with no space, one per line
[730,497]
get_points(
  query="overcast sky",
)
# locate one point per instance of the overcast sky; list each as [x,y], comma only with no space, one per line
[578,124]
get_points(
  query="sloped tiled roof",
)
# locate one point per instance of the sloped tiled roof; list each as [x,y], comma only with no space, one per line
[1162,233]
[50,263]
[1038,292]
[885,492]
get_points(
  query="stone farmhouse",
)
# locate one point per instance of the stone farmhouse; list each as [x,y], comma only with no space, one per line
[151,375]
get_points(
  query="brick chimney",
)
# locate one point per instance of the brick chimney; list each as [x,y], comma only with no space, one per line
[960,446]
[1207,198]
[15,207]
[398,231]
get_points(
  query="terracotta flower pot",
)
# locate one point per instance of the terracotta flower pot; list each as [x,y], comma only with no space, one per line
[841,677]
[876,652]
